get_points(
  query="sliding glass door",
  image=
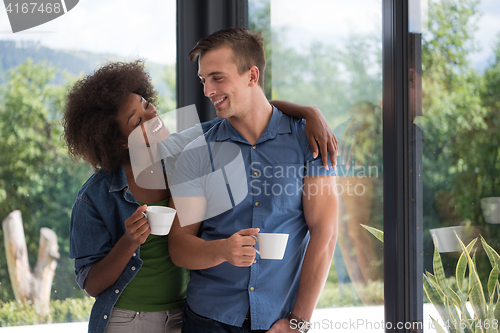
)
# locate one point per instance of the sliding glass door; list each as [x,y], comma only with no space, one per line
[461,163]
[329,54]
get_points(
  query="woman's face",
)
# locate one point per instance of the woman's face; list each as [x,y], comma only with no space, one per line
[136,113]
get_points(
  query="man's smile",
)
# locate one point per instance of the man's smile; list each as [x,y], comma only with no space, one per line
[218,101]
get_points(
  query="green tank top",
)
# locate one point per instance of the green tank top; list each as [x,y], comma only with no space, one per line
[159,285]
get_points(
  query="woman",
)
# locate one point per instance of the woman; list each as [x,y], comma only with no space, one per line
[129,271]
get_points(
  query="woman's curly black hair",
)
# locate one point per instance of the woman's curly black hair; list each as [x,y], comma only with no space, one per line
[91,129]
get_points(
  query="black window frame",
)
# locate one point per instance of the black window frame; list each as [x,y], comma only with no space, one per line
[402,155]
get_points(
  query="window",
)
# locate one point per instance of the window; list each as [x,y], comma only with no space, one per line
[329,54]
[461,155]
[37,177]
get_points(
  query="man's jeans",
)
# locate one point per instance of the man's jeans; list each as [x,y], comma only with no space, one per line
[194,323]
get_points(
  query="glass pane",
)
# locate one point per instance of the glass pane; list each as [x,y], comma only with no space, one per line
[328,54]
[461,158]
[37,177]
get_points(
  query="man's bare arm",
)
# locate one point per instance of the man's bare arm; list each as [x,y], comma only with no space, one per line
[192,252]
[320,203]
[321,213]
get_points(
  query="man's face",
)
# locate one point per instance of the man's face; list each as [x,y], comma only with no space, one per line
[223,85]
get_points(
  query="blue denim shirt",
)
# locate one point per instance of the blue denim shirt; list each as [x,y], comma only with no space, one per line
[278,160]
[102,205]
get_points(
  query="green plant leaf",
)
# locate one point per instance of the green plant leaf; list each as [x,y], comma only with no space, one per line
[490,312]
[453,315]
[439,290]
[462,266]
[439,270]
[496,311]
[466,316]
[437,326]
[492,254]
[431,277]
[492,281]
[434,296]
[456,299]
[454,309]
[465,311]
[442,303]
[476,297]
[375,232]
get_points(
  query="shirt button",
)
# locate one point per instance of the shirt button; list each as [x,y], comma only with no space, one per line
[117,291]
[252,289]
[135,254]
[255,173]
[255,261]
[257,204]
[133,268]
[254,147]
[105,317]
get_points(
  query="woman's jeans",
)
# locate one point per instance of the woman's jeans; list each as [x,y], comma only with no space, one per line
[127,321]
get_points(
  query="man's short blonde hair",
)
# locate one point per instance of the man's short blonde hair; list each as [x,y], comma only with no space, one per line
[247,46]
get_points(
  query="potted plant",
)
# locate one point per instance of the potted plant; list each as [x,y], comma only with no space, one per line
[450,302]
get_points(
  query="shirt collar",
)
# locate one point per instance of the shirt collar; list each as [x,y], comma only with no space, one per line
[119,180]
[279,124]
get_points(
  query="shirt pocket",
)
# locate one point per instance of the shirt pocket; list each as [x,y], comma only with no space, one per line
[287,182]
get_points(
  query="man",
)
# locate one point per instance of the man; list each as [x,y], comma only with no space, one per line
[289,191]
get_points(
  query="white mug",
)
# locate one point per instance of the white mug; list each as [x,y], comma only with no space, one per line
[271,245]
[160,219]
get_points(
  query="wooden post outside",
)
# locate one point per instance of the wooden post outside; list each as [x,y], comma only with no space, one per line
[17,256]
[27,285]
[45,269]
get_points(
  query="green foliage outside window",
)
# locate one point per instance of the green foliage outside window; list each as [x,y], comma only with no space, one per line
[16,313]
[36,175]
[461,109]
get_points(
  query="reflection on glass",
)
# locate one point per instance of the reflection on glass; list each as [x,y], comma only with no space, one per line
[329,54]
[361,193]
[461,159]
